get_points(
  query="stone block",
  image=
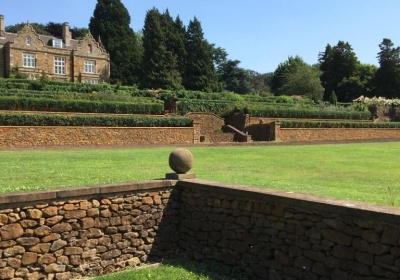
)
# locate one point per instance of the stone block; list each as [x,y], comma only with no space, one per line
[7,273]
[73,251]
[12,231]
[47,259]
[29,258]
[28,241]
[34,214]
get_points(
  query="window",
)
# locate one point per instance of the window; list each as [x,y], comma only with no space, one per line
[28,40]
[90,66]
[57,43]
[92,81]
[59,65]
[28,60]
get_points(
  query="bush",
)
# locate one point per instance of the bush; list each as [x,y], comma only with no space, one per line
[317,124]
[76,120]
[82,106]
[206,106]
[276,112]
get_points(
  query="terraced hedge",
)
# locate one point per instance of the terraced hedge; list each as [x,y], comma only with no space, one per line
[277,112]
[102,121]
[81,106]
[318,124]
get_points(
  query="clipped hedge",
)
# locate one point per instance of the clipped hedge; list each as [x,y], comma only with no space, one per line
[206,106]
[103,121]
[279,112]
[317,124]
[81,106]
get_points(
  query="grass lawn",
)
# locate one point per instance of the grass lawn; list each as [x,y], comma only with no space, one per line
[177,270]
[367,172]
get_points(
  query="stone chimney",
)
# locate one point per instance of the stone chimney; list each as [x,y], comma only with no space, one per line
[2,27]
[66,34]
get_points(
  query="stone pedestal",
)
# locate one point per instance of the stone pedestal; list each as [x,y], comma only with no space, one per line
[177,176]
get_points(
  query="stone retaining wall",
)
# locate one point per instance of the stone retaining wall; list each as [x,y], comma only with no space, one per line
[87,231]
[43,136]
[340,134]
[69,233]
[281,235]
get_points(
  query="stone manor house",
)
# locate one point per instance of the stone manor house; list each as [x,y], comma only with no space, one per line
[63,59]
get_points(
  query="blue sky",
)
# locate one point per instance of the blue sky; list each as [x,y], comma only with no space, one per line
[259,33]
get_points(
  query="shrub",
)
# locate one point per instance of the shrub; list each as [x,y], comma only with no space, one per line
[83,106]
[78,120]
[317,124]
[276,112]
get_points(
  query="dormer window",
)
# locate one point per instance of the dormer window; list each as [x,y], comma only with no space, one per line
[28,40]
[57,43]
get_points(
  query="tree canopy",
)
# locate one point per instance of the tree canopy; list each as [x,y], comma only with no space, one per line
[160,68]
[387,78]
[200,73]
[337,63]
[110,23]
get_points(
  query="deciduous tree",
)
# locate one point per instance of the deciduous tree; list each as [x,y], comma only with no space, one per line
[303,80]
[281,73]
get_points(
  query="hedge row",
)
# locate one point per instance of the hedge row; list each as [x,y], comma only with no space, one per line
[206,106]
[276,112]
[76,120]
[317,124]
[81,106]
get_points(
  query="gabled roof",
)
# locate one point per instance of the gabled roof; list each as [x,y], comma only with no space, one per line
[47,39]
[9,37]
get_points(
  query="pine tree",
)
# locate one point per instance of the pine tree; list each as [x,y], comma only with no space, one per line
[387,77]
[110,22]
[200,73]
[337,63]
[159,64]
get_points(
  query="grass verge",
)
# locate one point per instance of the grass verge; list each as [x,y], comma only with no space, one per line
[366,172]
[178,270]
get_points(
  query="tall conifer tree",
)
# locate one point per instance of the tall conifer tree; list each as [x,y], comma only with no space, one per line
[387,77]
[337,63]
[110,22]
[200,73]
[159,63]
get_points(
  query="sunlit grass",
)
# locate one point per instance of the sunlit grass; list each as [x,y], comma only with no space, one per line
[178,270]
[362,171]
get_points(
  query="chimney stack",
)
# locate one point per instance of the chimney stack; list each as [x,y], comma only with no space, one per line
[66,34]
[2,27]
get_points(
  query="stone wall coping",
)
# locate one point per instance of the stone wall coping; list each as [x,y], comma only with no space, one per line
[71,192]
[333,205]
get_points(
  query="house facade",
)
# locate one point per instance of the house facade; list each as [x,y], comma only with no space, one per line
[63,59]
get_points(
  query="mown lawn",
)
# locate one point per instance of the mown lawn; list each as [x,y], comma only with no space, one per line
[367,172]
[178,270]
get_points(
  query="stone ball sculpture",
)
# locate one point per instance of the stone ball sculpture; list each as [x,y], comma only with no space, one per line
[181,160]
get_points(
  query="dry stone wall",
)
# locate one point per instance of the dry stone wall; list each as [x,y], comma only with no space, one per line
[88,231]
[332,134]
[278,235]
[39,136]
[70,233]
